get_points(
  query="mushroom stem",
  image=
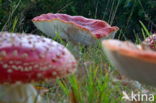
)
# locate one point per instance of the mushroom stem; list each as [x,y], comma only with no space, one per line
[19,93]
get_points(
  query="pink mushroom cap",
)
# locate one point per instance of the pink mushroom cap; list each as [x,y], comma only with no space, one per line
[74,27]
[28,58]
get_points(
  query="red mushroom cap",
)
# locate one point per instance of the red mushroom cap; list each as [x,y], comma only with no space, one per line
[27,58]
[73,25]
[130,50]
[131,60]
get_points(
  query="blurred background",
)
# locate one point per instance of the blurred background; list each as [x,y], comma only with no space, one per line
[96,80]
[16,15]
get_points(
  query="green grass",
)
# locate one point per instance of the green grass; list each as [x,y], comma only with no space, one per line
[92,83]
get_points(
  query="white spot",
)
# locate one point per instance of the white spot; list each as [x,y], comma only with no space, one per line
[39,75]
[50,66]
[14,67]
[3,53]
[26,69]
[5,66]
[25,55]
[20,67]
[10,71]
[11,62]
[15,52]
[36,66]
[44,68]
[30,68]
[54,73]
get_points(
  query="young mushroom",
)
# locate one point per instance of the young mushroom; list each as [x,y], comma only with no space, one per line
[77,29]
[131,60]
[27,58]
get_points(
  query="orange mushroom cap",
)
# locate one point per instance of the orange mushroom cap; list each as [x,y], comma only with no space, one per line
[131,60]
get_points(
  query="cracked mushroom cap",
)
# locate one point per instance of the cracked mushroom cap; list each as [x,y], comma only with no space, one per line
[135,62]
[30,58]
[78,29]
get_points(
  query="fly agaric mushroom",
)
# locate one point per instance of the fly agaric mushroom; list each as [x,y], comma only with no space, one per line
[150,42]
[29,58]
[137,63]
[78,29]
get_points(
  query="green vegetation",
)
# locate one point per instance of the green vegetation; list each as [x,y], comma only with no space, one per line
[95,79]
